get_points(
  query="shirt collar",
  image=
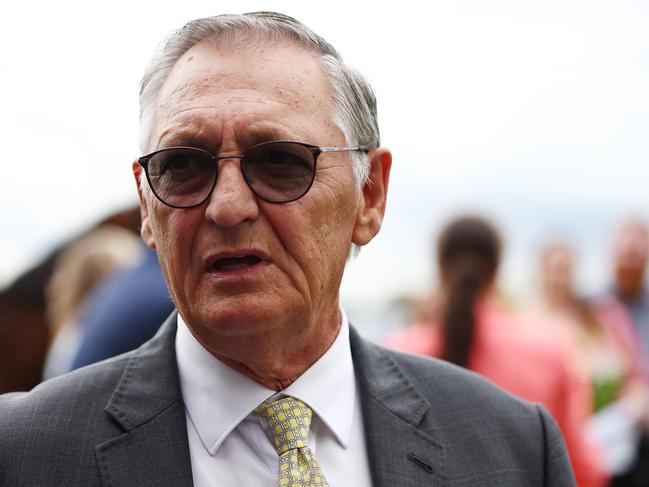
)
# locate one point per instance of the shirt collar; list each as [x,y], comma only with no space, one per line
[328,387]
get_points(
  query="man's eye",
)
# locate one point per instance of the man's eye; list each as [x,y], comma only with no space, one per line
[180,163]
[283,160]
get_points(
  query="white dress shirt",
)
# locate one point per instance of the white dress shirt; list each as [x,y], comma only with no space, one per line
[229,446]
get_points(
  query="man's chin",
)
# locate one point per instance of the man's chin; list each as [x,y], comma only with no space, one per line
[235,322]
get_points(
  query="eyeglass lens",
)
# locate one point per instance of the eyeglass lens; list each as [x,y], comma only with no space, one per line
[277,172]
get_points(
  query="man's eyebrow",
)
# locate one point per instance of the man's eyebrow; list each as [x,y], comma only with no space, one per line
[246,138]
[186,138]
[257,136]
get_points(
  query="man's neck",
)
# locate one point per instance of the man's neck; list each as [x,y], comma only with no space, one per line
[272,361]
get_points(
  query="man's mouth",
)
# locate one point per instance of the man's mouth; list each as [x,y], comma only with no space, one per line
[234,263]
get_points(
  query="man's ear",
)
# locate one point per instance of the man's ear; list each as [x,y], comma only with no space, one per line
[145,228]
[375,191]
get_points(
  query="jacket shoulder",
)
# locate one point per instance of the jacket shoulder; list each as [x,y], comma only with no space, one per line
[434,377]
[59,432]
[488,436]
[52,430]
[60,409]
[62,392]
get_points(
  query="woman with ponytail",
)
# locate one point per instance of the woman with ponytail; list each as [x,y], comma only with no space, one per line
[472,329]
[468,255]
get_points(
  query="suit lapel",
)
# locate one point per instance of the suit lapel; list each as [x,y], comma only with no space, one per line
[401,453]
[147,403]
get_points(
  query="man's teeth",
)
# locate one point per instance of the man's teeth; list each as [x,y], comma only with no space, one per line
[237,262]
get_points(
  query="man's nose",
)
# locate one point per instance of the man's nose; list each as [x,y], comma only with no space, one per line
[232,200]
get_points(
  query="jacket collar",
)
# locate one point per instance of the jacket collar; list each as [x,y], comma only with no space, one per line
[400,449]
[149,384]
[147,403]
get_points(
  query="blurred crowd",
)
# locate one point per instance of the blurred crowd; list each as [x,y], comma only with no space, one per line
[584,357]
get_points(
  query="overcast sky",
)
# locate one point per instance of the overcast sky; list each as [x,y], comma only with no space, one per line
[536,113]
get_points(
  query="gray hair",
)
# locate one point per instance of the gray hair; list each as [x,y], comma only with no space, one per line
[354,103]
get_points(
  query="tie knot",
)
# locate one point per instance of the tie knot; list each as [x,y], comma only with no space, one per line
[289,420]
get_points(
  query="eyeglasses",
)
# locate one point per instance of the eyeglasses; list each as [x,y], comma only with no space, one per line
[277,171]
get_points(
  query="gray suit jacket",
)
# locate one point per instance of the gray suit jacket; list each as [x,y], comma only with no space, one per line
[121,423]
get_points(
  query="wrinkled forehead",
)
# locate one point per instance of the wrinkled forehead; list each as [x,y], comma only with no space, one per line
[248,68]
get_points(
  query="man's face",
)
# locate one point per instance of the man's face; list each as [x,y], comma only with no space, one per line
[238,266]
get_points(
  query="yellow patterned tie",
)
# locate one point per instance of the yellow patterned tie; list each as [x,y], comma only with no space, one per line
[289,420]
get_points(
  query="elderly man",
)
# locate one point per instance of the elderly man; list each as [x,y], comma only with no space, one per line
[263,170]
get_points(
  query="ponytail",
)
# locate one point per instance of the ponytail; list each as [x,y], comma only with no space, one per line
[458,318]
[468,254]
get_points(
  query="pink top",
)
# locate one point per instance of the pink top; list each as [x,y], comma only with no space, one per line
[535,363]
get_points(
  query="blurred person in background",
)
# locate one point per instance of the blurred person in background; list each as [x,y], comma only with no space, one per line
[124,311]
[78,270]
[473,329]
[608,353]
[630,265]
